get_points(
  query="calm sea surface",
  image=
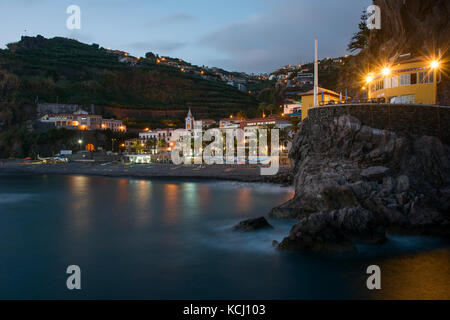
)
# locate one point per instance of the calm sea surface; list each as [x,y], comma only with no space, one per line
[166,239]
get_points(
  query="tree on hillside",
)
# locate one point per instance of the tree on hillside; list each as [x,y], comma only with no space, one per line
[360,39]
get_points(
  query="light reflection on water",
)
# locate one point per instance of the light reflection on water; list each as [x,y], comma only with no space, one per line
[422,275]
[171,240]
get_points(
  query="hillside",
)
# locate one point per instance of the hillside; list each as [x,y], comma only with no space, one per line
[68,71]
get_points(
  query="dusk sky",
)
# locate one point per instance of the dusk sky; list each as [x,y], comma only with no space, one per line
[238,35]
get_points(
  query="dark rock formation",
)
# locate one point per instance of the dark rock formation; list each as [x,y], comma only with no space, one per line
[336,231]
[414,26]
[252,225]
[353,181]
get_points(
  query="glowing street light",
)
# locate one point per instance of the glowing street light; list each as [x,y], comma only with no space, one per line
[386,71]
[369,79]
[434,64]
[80,141]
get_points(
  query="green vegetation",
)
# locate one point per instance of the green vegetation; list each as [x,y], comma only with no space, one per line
[360,39]
[62,70]
[68,71]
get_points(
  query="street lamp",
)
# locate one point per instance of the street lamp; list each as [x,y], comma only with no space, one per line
[369,79]
[386,71]
[80,142]
[434,64]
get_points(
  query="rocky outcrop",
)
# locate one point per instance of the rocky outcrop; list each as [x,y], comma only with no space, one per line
[352,182]
[335,231]
[252,225]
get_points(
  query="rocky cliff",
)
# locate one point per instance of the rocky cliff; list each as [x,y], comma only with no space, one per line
[353,183]
[414,26]
[407,26]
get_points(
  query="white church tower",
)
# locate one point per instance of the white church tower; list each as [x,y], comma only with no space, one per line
[189,120]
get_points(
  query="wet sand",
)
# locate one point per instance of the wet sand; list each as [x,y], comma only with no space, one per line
[245,173]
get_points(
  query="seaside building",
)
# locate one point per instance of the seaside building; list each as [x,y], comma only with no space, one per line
[324,97]
[405,80]
[170,136]
[258,123]
[82,120]
[229,123]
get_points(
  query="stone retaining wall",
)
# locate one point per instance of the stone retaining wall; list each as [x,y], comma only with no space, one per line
[401,118]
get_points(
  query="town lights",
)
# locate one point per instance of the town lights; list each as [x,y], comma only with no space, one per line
[369,79]
[80,141]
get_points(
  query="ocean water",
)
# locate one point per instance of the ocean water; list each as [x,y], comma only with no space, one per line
[171,239]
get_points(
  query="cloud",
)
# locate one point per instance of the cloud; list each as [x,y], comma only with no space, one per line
[284,34]
[177,18]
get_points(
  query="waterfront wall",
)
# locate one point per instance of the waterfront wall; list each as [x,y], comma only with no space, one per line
[401,118]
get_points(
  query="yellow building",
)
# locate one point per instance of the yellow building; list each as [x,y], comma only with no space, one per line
[409,81]
[324,97]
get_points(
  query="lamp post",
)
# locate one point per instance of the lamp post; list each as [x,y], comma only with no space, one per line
[112,144]
[435,67]
[369,79]
[316,72]
[80,142]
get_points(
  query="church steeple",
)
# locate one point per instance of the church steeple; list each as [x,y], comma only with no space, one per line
[189,120]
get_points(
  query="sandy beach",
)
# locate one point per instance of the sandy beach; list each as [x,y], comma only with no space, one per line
[243,173]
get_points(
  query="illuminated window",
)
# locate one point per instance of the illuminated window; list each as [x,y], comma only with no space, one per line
[426,77]
[405,79]
[394,82]
[379,85]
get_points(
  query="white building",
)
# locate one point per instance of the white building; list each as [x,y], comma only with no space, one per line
[291,107]
[113,124]
[82,120]
[170,136]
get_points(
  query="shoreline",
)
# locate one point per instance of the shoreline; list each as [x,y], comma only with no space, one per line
[244,173]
